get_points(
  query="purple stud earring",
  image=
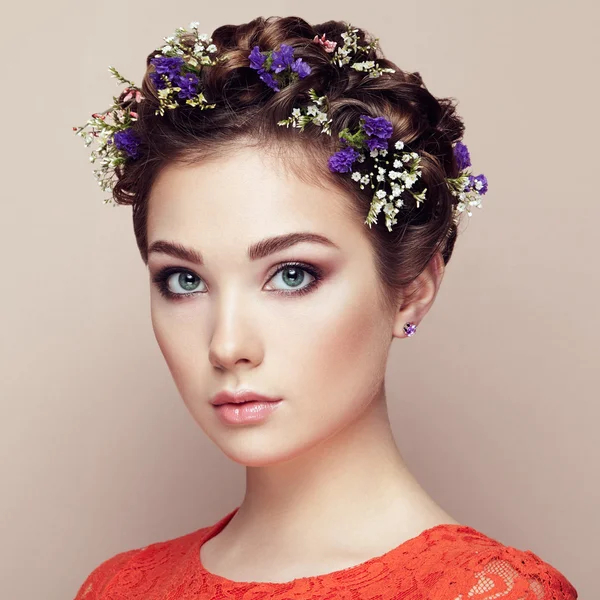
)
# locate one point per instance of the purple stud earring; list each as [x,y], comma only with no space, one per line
[409,329]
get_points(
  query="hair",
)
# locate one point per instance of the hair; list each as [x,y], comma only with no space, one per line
[247,111]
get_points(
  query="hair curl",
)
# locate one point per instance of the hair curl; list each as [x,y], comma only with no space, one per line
[249,110]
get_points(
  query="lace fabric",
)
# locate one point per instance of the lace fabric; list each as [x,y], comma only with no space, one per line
[445,562]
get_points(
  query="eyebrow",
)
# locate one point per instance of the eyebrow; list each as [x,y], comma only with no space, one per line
[255,251]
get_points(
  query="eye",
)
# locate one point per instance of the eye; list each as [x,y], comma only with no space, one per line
[169,279]
[293,275]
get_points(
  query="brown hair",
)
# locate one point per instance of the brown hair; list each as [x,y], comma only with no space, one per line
[248,110]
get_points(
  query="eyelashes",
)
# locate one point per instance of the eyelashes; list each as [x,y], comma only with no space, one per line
[161,280]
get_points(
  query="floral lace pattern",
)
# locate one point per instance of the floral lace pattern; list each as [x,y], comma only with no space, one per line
[445,562]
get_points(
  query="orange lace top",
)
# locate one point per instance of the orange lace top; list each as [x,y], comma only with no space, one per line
[445,562]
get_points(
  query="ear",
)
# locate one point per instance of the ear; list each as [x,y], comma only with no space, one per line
[419,295]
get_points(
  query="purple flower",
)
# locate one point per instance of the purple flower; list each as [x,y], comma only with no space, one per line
[126,140]
[461,152]
[374,143]
[282,58]
[188,84]
[269,80]
[257,60]
[483,179]
[378,126]
[157,80]
[342,160]
[300,67]
[167,65]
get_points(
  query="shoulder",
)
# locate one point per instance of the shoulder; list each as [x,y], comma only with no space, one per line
[486,568]
[96,581]
[522,574]
[123,572]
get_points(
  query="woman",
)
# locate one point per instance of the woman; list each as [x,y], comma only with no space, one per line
[296,198]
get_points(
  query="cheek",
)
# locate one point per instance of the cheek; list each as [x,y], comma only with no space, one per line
[339,353]
[176,345]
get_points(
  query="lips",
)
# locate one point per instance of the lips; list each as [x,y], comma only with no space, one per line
[240,396]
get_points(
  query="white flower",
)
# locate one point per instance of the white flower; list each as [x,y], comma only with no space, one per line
[381,171]
[414,155]
[211,48]
[383,152]
[380,177]
[409,181]
[380,194]
[389,209]
[365,179]
[194,24]
[399,145]
[397,164]
[396,190]
[204,37]
[374,153]
[363,66]
[405,157]
[356,176]
[393,174]
[312,110]
[296,112]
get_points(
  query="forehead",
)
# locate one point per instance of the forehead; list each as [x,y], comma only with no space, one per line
[244,196]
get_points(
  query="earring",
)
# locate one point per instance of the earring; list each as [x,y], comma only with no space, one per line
[409,329]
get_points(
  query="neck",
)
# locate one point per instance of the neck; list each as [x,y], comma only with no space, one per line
[355,481]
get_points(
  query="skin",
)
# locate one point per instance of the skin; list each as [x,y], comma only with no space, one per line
[325,461]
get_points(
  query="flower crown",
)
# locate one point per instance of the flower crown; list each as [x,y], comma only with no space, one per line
[176,76]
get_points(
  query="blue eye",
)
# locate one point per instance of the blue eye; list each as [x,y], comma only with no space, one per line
[293,275]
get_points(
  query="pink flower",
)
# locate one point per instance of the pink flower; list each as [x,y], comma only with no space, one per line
[327,44]
[138,95]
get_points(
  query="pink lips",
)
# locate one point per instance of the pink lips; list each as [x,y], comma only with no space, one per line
[244,406]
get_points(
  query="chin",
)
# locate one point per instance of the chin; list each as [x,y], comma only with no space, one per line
[256,448]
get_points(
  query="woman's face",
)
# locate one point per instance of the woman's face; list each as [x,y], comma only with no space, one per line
[314,334]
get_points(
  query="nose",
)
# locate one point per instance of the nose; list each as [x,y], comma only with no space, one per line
[234,340]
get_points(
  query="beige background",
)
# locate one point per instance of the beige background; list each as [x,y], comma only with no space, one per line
[494,402]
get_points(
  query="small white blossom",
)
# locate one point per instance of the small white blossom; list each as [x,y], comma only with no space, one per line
[380,194]
[405,157]
[399,145]
[398,164]
[356,176]
[409,181]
